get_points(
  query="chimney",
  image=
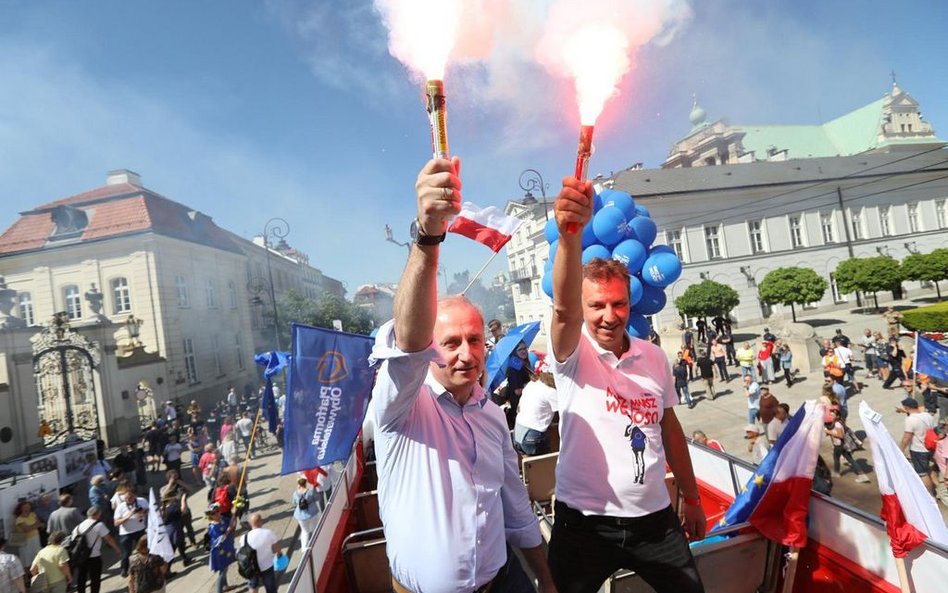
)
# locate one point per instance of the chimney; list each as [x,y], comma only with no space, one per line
[120,176]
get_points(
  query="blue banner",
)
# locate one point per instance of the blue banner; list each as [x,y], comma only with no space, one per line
[274,362]
[932,358]
[328,391]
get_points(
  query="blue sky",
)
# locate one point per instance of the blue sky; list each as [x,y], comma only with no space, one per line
[293,108]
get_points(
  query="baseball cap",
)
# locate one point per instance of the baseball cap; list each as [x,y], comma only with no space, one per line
[910,402]
[751,428]
[213,508]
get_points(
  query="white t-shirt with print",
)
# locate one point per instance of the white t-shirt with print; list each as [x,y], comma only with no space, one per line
[918,424]
[262,541]
[537,406]
[611,460]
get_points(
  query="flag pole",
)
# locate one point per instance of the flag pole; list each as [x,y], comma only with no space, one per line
[903,575]
[793,555]
[478,274]
[915,363]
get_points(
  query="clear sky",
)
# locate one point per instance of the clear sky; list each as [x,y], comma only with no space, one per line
[251,109]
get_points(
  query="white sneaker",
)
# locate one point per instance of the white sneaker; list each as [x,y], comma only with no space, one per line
[862,479]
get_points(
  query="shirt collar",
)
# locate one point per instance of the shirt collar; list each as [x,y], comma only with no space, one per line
[478,397]
[608,355]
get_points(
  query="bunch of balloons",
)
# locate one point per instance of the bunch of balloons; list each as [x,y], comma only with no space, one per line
[623,230]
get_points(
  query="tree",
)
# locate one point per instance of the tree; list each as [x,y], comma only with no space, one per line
[868,274]
[792,286]
[927,267]
[293,307]
[706,299]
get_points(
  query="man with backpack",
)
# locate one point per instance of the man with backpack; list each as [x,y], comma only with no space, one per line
[256,552]
[917,426]
[85,550]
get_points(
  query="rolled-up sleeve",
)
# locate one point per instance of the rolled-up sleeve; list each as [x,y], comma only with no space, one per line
[520,522]
[400,378]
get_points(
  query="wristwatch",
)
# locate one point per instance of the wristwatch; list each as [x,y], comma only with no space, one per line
[420,238]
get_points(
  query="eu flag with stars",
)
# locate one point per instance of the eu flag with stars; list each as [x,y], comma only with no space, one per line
[932,358]
[274,362]
[329,388]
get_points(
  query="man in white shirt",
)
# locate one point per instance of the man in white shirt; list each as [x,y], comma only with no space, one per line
[752,393]
[537,407]
[172,453]
[95,532]
[617,429]
[450,493]
[846,358]
[231,400]
[917,424]
[245,429]
[130,517]
[267,546]
[776,426]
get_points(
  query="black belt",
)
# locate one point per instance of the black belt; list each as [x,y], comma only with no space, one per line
[570,515]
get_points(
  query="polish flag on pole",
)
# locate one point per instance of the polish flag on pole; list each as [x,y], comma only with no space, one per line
[489,226]
[910,513]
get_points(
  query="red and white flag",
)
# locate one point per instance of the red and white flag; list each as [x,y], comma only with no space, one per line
[910,513]
[489,226]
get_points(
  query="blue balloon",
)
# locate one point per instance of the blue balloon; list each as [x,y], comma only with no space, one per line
[635,290]
[661,269]
[661,249]
[548,265]
[553,247]
[638,326]
[589,235]
[643,229]
[642,211]
[547,284]
[594,251]
[550,231]
[620,200]
[631,253]
[653,301]
[597,203]
[610,226]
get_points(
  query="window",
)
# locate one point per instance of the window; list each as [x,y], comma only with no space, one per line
[121,296]
[913,218]
[884,223]
[239,350]
[712,242]
[796,231]
[826,226]
[72,301]
[181,286]
[837,297]
[855,216]
[940,213]
[756,232]
[25,302]
[232,294]
[190,362]
[210,291]
[673,239]
[217,356]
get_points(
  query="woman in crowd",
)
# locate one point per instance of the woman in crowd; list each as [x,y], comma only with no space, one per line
[305,510]
[786,363]
[765,360]
[834,429]
[220,532]
[227,428]
[146,572]
[50,567]
[26,527]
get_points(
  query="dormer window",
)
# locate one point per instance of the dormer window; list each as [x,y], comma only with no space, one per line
[70,222]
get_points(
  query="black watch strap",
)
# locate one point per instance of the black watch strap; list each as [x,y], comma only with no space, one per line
[422,239]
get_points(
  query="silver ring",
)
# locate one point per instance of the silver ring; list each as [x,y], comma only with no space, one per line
[444,194]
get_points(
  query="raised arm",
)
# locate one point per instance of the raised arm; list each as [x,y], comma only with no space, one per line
[573,206]
[439,198]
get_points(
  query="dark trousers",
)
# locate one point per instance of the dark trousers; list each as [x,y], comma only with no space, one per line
[895,373]
[267,579]
[90,570]
[127,542]
[840,451]
[512,578]
[722,368]
[788,375]
[585,551]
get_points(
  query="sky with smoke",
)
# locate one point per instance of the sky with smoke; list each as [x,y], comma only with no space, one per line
[297,108]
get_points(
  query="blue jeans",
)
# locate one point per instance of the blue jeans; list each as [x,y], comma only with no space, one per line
[534,442]
[752,415]
[586,550]
[745,371]
[683,390]
[267,578]
[127,542]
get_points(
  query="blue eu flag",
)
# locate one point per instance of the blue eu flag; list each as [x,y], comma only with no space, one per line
[329,389]
[932,358]
[274,362]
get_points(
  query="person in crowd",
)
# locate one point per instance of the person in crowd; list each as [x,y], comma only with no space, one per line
[141,465]
[719,355]
[208,467]
[836,431]
[893,321]
[778,424]
[706,371]
[688,356]
[147,573]
[224,495]
[175,513]
[765,361]
[618,429]
[194,413]
[895,357]
[124,461]
[220,531]
[26,525]
[747,360]
[66,517]
[822,477]
[227,428]
[767,407]
[99,497]
[727,339]
[868,345]
[228,447]
[51,565]
[11,571]
[170,413]
[244,428]
[768,336]
[752,393]
[95,531]
[845,355]
[267,546]
[96,465]
[305,510]
[496,330]
[440,414]
[917,423]
[785,357]
[156,439]
[195,444]
[700,437]
[680,372]
[841,338]
[654,338]
[940,455]
[130,517]
[518,375]
[702,326]
[231,402]
[172,453]
[537,407]
[758,446]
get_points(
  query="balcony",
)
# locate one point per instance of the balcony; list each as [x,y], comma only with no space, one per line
[523,274]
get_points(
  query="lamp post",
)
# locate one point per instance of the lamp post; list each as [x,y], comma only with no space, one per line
[530,180]
[262,291]
[391,239]
[278,228]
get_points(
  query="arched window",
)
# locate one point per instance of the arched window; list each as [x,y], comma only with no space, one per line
[72,301]
[25,302]
[121,295]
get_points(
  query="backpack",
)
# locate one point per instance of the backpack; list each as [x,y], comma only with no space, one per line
[247,564]
[171,511]
[303,504]
[149,578]
[78,547]
[931,439]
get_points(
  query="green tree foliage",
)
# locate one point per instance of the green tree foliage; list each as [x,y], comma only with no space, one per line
[933,318]
[495,302]
[707,299]
[927,267]
[868,274]
[320,312]
[792,286]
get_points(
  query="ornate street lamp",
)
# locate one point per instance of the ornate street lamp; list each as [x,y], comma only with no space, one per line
[530,180]
[278,229]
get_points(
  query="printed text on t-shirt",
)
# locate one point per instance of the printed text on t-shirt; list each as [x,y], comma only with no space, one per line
[641,410]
